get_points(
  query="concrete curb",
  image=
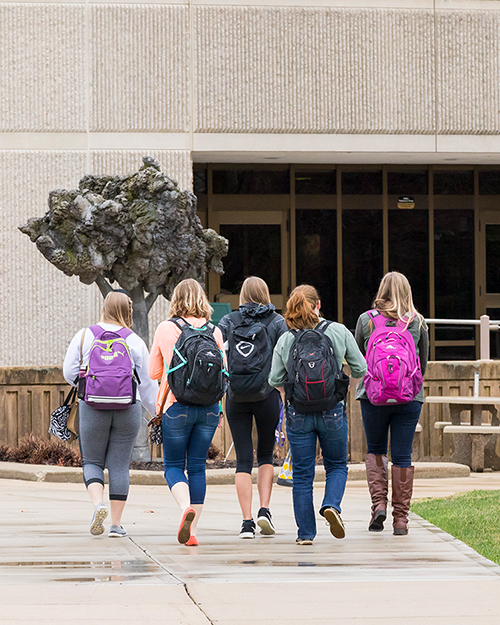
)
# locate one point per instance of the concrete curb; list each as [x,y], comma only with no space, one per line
[46,473]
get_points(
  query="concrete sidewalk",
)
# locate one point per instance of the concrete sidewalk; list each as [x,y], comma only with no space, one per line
[53,571]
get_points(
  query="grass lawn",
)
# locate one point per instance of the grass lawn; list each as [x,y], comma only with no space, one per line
[471,517]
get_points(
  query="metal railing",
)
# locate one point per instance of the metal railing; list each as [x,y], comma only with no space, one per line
[485,326]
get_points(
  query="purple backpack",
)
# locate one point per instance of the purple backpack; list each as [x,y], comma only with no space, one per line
[394,375]
[109,378]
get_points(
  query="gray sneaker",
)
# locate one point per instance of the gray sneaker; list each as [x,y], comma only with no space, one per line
[96,525]
[117,531]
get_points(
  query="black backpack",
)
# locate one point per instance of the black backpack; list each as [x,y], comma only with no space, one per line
[314,382]
[250,353]
[197,375]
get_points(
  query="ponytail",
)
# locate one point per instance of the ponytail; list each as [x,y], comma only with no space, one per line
[300,309]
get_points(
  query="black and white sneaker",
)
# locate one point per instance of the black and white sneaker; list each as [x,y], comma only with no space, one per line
[265,522]
[247,529]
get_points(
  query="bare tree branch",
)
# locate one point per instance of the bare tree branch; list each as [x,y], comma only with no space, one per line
[104,286]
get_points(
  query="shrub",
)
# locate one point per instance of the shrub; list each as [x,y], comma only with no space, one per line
[37,450]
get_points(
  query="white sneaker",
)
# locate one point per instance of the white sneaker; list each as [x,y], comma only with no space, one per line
[96,525]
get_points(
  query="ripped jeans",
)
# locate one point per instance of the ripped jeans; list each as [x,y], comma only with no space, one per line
[303,431]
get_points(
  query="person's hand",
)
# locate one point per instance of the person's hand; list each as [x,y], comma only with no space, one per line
[221,417]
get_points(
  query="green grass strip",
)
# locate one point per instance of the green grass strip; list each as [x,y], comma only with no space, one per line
[471,517]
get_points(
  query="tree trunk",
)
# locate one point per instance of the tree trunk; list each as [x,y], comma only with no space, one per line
[141,327]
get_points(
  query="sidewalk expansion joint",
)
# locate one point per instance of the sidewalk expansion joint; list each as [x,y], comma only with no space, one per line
[181,582]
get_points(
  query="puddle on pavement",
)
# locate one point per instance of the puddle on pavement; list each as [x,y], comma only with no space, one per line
[374,565]
[99,570]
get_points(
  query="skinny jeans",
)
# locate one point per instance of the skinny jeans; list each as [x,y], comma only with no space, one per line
[240,416]
[187,434]
[107,439]
[303,431]
[400,420]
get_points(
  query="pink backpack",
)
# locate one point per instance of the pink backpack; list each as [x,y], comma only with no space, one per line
[394,375]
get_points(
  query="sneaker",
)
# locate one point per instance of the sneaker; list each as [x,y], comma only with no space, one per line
[192,542]
[247,529]
[184,533]
[336,524]
[265,522]
[304,541]
[96,525]
[117,531]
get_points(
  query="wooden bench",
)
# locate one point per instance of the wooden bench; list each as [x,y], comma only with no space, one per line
[480,435]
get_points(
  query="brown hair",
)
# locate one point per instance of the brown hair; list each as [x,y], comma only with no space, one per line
[254,290]
[394,298]
[117,309]
[300,308]
[189,300]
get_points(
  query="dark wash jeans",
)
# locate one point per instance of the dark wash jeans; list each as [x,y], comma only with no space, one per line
[400,419]
[187,434]
[303,431]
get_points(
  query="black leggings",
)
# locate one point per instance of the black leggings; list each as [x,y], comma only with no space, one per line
[240,418]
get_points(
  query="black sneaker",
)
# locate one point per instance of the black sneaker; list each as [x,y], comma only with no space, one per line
[265,522]
[247,529]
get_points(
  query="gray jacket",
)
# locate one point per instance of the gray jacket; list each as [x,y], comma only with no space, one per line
[418,330]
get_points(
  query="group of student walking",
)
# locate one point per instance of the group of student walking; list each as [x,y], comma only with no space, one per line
[263,364]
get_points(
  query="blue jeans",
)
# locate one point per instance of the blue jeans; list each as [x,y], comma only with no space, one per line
[303,431]
[187,434]
[401,419]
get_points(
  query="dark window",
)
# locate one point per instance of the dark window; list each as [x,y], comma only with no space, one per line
[492,258]
[316,244]
[316,182]
[494,315]
[455,352]
[253,251]
[247,181]
[489,182]
[362,255]
[454,271]
[361,182]
[454,182]
[407,183]
[200,181]
[409,252]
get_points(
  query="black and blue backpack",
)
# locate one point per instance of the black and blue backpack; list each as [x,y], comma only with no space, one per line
[315,382]
[197,375]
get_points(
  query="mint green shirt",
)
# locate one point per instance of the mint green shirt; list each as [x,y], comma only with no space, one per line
[344,346]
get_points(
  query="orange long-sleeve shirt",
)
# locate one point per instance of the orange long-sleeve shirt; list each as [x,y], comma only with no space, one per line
[166,336]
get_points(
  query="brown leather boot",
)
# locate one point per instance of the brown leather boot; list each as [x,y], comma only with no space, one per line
[402,489]
[377,476]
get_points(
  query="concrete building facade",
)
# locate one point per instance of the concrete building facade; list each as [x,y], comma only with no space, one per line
[396,97]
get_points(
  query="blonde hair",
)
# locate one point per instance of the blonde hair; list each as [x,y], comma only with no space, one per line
[189,300]
[117,309]
[300,308]
[254,290]
[394,298]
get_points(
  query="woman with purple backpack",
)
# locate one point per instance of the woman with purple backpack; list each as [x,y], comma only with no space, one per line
[394,338]
[111,360]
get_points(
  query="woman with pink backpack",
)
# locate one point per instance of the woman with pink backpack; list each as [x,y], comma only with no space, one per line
[394,338]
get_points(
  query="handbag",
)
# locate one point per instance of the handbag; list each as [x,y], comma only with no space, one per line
[60,418]
[156,431]
[285,477]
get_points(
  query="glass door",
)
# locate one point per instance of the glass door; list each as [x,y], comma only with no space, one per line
[489,284]
[258,246]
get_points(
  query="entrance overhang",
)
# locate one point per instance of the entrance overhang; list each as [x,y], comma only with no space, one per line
[346,149]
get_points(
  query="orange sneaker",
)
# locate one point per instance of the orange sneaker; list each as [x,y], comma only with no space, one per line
[184,532]
[192,542]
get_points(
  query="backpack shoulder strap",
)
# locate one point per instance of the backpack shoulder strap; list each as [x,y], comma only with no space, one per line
[404,323]
[376,317]
[179,322]
[322,326]
[97,331]
[124,332]
[267,320]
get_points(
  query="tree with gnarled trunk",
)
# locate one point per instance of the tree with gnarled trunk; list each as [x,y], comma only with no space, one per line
[139,231]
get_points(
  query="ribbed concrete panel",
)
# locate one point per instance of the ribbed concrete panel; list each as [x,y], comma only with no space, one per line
[298,70]
[41,307]
[177,164]
[42,72]
[139,68]
[468,72]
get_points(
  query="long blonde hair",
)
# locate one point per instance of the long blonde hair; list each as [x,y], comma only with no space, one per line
[394,298]
[254,290]
[189,300]
[117,309]
[300,308]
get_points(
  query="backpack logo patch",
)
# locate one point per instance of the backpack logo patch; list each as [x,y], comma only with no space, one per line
[244,348]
